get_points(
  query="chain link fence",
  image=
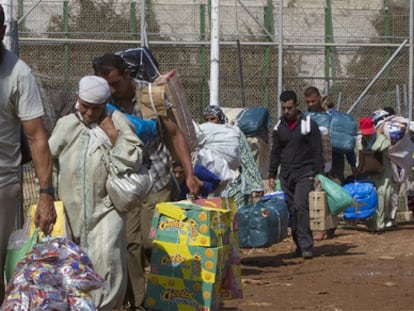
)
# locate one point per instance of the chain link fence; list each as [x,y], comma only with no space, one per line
[338,46]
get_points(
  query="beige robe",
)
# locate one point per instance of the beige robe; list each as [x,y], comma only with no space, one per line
[93,222]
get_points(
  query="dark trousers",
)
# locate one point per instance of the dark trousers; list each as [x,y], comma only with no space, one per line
[297,190]
[9,198]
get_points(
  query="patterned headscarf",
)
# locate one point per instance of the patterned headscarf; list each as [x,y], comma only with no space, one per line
[378,116]
[216,112]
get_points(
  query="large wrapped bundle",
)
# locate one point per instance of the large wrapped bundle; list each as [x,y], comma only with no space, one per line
[255,122]
[262,224]
[216,165]
[365,200]
[342,128]
[396,128]
[221,139]
[338,199]
[321,118]
[343,131]
[55,275]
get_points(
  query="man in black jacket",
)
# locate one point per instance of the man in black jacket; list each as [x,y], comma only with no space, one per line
[297,148]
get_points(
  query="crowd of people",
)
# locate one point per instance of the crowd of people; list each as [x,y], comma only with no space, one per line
[383,135]
[71,166]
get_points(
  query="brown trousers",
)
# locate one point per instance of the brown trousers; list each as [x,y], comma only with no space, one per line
[139,245]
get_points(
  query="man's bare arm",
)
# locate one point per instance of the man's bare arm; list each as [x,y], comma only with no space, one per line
[42,160]
[182,151]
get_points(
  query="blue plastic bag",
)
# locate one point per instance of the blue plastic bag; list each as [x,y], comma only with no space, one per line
[146,130]
[209,179]
[365,200]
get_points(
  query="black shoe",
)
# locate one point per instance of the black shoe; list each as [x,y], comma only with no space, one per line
[296,254]
[307,255]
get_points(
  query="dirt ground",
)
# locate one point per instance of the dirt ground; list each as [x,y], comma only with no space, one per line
[356,270]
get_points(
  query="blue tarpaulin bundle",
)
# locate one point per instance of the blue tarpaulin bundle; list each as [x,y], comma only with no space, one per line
[263,223]
[342,128]
[255,122]
[365,200]
[343,131]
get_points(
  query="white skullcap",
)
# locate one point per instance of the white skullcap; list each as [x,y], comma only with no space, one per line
[93,90]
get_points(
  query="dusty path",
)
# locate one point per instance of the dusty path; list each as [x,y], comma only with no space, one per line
[354,271]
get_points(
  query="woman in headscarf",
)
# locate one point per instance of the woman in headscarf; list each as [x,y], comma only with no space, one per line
[399,153]
[249,182]
[373,139]
[214,114]
[77,145]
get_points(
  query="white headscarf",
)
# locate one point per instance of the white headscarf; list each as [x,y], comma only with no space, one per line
[93,90]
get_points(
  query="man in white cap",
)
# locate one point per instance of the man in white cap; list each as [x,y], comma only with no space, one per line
[21,106]
[125,95]
[77,144]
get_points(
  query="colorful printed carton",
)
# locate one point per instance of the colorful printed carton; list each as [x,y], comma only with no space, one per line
[174,294]
[190,224]
[231,283]
[195,263]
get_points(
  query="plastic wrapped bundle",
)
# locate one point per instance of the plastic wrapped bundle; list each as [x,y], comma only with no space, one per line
[343,131]
[55,275]
[262,224]
[255,122]
[365,200]
[221,139]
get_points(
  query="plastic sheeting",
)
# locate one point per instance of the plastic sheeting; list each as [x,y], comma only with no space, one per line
[262,224]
